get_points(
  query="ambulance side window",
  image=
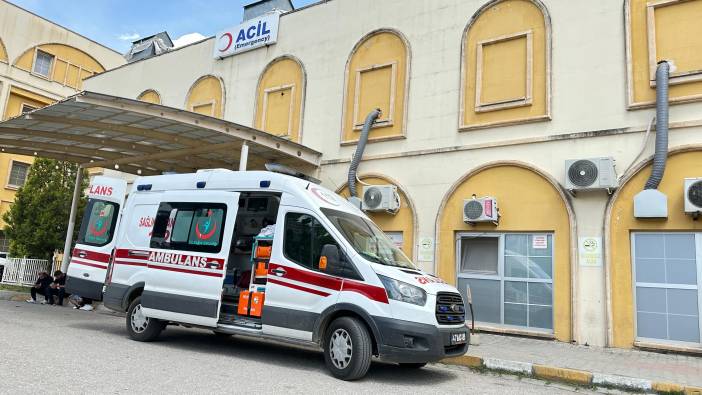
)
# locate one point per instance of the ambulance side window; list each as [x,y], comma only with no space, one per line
[98,222]
[189,227]
[304,238]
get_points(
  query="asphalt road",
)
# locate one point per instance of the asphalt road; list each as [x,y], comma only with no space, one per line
[45,349]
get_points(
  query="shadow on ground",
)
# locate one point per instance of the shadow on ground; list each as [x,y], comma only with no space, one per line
[284,355]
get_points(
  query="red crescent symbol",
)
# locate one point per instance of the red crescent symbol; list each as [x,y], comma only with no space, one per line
[206,235]
[95,232]
[231,39]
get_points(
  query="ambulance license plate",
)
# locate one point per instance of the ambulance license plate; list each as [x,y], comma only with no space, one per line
[458,338]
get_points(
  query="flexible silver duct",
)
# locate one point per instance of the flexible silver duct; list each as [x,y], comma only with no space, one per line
[661,154]
[360,147]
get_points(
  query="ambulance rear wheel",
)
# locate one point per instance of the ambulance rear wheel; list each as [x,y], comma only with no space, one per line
[347,348]
[141,327]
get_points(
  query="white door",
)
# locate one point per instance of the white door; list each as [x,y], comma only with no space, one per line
[187,256]
[297,291]
[91,255]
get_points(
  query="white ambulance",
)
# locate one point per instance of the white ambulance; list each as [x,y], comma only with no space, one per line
[267,255]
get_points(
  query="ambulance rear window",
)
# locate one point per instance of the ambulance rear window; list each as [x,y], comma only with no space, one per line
[98,222]
[193,226]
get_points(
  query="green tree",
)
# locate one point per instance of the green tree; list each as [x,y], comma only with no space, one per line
[38,218]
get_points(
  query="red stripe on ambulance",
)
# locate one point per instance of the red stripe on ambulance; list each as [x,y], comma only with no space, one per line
[298,287]
[372,292]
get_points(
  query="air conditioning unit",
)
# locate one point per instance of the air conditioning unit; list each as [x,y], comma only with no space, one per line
[593,173]
[693,196]
[482,209]
[380,198]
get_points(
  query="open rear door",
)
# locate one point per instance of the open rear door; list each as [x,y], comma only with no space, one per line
[91,255]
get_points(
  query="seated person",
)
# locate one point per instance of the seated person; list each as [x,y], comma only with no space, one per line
[43,287]
[58,287]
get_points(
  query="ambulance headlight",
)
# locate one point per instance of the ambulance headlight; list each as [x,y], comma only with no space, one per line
[403,292]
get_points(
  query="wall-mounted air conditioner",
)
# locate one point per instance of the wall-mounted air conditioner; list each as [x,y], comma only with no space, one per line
[589,174]
[693,196]
[482,209]
[380,198]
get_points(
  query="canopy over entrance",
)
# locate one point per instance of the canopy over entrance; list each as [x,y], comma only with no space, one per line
[97,130]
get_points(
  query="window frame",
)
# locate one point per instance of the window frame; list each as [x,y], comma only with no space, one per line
[666,286]
[211,102]
[185,246]
[389,121]
[291,110]
[8,184]
[500,276]
[508,103]
[31,108]
[675,77]
[50,73]
[350,271]
[86,215]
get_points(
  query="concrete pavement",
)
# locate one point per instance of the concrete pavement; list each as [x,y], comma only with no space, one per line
[552,360]
[60,350]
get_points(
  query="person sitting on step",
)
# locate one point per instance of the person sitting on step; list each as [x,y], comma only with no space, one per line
[43,287]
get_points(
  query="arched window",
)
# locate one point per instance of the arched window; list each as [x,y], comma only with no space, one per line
[206,96]
[519,270]
[280,98]
[505,73]
[60,63]
[150,96]
[377,76]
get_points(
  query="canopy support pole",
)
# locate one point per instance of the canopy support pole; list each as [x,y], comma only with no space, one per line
[72,220]
[244,158]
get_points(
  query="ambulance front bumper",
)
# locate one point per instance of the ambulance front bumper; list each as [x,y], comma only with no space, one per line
[411,342]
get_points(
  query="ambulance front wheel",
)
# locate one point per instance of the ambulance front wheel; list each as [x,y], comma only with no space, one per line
[141,327]
[348,348]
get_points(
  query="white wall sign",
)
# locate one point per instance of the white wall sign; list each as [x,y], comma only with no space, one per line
[539,242]
[590,251]
[426,249]
[251,34]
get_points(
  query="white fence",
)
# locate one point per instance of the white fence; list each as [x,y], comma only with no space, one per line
[24,271]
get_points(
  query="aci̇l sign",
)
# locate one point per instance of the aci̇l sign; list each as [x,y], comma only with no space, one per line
[251,34]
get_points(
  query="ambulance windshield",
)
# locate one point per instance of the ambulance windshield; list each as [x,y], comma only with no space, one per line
[369,241]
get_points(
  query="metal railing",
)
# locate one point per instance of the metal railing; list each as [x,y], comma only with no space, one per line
[24,271]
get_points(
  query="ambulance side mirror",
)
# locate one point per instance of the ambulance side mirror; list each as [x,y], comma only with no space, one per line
[329,257]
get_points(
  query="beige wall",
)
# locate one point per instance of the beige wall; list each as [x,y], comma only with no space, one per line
[589,112]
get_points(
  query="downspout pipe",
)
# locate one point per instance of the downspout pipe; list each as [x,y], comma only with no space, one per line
[360,147]
[661,152]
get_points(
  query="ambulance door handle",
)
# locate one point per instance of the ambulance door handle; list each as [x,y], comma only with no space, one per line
[280,272]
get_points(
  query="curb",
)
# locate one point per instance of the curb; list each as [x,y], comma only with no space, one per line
[572,376]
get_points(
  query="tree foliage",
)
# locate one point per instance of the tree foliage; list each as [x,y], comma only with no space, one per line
[38,218]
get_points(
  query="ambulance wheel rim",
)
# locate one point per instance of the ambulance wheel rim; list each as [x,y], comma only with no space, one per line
[139,321]
[340,348]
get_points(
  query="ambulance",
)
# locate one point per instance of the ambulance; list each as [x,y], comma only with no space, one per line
[265,255]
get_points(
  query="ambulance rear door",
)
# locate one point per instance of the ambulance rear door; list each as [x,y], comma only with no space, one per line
[91,255]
